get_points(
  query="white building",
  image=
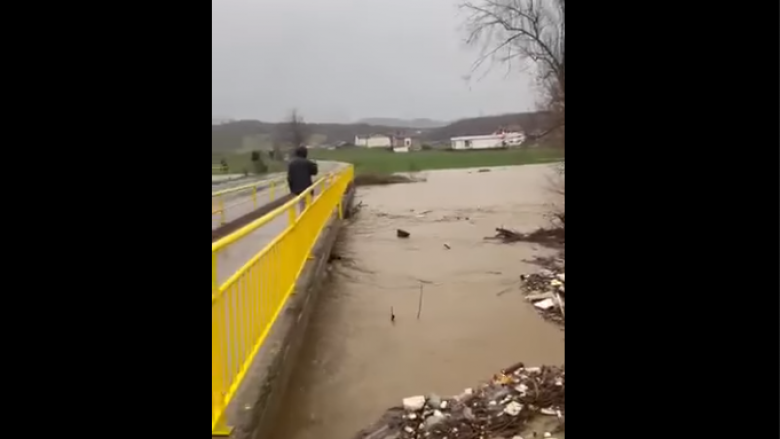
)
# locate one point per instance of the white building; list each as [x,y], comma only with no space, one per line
[374,141]
[487,141]
[402,145]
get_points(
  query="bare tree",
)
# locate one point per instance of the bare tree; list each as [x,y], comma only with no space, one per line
[534,33]
[291,133]
[297,130]
[523,30]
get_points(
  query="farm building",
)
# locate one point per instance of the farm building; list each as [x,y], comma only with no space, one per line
[487,141]
[374,141]
[402,144]
[397,143]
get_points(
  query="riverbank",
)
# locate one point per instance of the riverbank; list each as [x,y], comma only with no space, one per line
[380,161]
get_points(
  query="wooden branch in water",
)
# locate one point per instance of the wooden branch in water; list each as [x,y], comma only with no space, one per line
[541,236]
[419,304]
[509,235]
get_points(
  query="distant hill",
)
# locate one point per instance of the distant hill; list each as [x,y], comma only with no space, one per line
[402,123]
[219,120]
[247,135]
[254,134]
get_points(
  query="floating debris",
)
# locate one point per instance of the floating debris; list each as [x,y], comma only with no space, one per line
[402,233]
[546,289]
[502,407]
[555,237]
[545,304]
[414,402]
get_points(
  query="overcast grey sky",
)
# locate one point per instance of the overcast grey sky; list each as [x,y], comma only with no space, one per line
[342,60]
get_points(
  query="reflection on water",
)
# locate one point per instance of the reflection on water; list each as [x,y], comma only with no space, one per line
[473,321]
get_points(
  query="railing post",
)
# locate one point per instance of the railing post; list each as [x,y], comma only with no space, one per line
[254,197]
[219,429]
[273,188]
[221,211]
[292,214]
[214,284]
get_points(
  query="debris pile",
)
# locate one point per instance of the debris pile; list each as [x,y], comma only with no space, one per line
[554,237]
[500,408]
[546,289]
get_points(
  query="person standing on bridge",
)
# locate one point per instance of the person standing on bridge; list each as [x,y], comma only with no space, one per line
[300,171]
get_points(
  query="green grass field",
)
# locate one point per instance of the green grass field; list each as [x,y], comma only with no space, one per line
[387,162]
[241,162]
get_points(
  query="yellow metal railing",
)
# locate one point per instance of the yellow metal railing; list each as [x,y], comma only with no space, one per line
[218,206]
[245,306]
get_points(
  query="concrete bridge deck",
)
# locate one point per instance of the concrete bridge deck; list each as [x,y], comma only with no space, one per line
[257,388]
[241,204]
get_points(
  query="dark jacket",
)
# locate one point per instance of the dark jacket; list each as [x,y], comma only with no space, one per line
[299,174]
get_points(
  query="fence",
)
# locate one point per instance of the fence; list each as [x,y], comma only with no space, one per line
[218,198]
[245,306]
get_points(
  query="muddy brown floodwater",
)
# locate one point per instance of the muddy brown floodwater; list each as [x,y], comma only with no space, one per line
[356,362]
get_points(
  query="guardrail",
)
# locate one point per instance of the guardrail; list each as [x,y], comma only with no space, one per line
[218,198]
[245,306]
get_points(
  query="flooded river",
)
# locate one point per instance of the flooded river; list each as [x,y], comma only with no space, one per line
[472,319]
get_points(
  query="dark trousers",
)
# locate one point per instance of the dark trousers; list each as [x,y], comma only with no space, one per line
[302,203]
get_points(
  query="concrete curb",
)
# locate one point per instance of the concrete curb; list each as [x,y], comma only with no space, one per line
[252,413]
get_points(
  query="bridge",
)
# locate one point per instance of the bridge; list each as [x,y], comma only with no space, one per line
[265,243]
